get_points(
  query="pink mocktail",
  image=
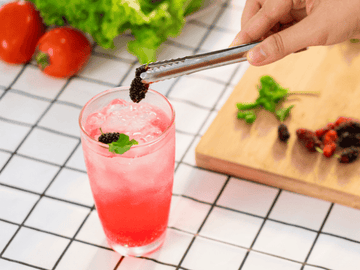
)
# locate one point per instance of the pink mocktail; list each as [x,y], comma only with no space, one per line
[132,191]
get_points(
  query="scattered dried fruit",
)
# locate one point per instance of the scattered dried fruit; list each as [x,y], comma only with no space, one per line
[283,133]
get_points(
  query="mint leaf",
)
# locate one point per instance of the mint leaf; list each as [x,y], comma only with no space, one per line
[283,113]
[122,145]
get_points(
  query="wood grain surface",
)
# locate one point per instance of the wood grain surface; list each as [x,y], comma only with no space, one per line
[253,151]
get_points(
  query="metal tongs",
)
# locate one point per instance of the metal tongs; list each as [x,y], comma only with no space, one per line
[168,69]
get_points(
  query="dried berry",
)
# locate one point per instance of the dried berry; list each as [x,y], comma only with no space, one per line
[109,137]
[329,149]
[348,139]
[321,132]
[330,136]
[351,126]
[341,120]
[308,138]
[137,88]
[283,133]
[349,155]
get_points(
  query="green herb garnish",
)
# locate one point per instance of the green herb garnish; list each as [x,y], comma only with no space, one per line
[283,113]
[270,96]
[122,145]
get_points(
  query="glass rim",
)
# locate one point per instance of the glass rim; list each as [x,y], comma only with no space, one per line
[121,88]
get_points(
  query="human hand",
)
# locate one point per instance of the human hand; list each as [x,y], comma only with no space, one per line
[288,26]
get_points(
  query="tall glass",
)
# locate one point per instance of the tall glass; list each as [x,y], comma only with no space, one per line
[132,191]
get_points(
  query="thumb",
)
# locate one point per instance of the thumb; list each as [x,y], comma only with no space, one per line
[290,40]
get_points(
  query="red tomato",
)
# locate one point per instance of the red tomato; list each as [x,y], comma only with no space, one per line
[62,52]
[20,29]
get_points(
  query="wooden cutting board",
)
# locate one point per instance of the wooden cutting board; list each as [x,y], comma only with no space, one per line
[253,151]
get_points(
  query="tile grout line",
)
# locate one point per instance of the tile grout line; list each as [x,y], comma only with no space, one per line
[317,236]
[72,238]
[259,231]
[202,224]
[26,264]
[18,147]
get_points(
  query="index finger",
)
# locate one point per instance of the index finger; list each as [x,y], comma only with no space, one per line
[251,8]
[271,12]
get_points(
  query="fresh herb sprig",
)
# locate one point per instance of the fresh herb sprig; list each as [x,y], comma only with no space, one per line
[270,95]
[122,145]
[119,143]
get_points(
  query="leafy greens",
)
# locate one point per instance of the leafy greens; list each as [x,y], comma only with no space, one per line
[151,22]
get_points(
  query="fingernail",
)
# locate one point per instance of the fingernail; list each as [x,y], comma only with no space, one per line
[256,55]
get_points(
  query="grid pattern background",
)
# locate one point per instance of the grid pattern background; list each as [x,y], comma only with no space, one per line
[47,214]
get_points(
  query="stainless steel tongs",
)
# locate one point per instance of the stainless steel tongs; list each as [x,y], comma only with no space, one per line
[168,69]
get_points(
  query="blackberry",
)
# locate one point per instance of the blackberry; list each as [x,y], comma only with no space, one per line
[137,88]
[349,139]
[109,137]
[283,133]
[349,155]
[351,126]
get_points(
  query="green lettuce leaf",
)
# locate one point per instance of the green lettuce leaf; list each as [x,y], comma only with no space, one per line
[151,22]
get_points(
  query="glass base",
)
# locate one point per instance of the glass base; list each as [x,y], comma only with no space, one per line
[138,251]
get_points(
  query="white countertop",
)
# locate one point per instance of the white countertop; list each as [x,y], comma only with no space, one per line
[217,222]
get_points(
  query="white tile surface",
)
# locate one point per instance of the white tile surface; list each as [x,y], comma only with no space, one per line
[8,265]
[285,241]
[310,212]
[34,175]
[7,231]
[4,157]
[231,227]
[57,217]
[188,117]
[78,254]
[72,186]
[8,73]
[208,123]
[248,197]
[36,248]
[62,118]
[190,154]
[220,74]
[343,221]
[48,146]
[230,20]
[92,232]
[197,183]
[15,205]
[256,261]
[141,264]
[12,135]
[77,160]
[80,91]
[206,254]
[335,253]
[191,35]
[22,108]
[186,214]
[105,69]
[168,51]
[217,40]
[35,82]
[206,95]
[173,248]
[162,87]
[182,143]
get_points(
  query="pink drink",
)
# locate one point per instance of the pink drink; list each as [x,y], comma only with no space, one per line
[132,191]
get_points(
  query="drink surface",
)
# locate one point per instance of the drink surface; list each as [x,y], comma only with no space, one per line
[132,194]
[140,121]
